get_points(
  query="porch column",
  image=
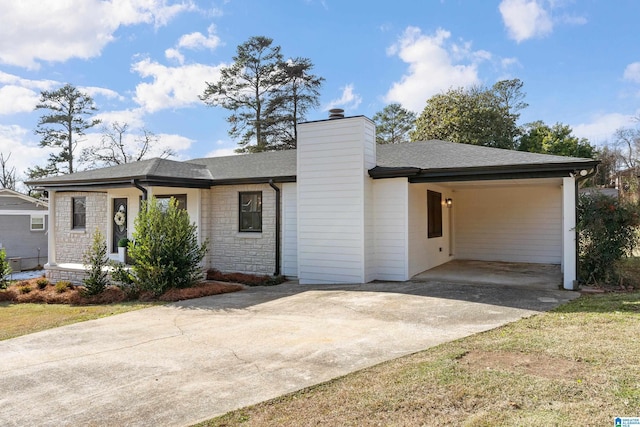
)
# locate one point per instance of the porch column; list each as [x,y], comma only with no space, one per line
[51,230]
[569,232]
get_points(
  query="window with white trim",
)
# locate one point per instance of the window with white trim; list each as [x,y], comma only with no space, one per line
[37,223]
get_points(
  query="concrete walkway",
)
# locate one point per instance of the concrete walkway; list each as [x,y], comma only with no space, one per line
[182,363]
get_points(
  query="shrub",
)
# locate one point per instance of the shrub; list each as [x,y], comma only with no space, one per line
[123,243]
[95,261]
[42,283]
[25,289]
[167,254]
[62,286]
[607,232]
[5,269]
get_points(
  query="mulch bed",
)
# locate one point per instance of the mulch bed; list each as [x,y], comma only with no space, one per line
[28,291]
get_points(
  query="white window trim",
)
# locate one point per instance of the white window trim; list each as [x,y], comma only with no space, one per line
[32,217]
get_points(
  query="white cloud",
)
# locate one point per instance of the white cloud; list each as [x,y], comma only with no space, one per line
[16,99]
[525,19]
[432,67]
[194,41]
[94,91]
[172,87]
[200,41]
[32,31]
[18,95]
[349,100]
[221,152]
[24,150]
[177,143]
[602,127]
[131,117]
[632,72]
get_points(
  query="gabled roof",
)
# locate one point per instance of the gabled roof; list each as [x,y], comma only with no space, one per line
[419,161]
[5,192]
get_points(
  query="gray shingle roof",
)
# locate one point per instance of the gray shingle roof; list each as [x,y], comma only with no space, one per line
[437,154]
[281,165]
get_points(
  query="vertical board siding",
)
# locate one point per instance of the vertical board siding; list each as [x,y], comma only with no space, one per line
[289,230]
[334,227]
[509,224]
[391,228]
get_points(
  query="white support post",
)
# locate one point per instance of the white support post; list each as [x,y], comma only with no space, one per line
[51,230]
[569,260]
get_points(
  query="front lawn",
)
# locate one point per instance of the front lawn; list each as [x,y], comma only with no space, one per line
[576,365]
[22,319]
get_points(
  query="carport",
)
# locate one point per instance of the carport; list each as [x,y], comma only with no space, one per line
[487,205]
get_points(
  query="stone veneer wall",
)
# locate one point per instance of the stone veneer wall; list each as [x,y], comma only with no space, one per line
[71,244]
[229,249]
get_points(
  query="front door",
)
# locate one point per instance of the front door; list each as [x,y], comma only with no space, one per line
[119,225]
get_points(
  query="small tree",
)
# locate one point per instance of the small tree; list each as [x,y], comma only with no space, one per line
[5,269]
[608,232]
[166,252]
[393,124]
[95,261]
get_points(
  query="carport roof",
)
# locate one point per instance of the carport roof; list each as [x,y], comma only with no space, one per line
[419,161]
[435,160]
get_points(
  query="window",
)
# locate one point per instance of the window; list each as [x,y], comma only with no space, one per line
[37,222]
[79,212]
[251,211]
[434,214]
[163,200]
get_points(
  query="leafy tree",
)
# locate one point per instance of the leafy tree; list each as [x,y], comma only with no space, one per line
[558,140]
[607,229]
[477,116]
[265,95]
[291,102]
[393,124]
[5,269]
[166,252]
[68,118]
[96,260]
[7,174]
[114,149]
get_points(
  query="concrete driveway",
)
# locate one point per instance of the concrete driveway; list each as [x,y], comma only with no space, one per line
[182,363]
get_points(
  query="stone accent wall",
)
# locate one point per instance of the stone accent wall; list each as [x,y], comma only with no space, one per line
[73,275]
[229,249]
[72,244]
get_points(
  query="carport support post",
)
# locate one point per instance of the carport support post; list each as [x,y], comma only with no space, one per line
[569,233]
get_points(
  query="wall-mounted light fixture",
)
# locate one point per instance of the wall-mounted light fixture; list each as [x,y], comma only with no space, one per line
[448,202]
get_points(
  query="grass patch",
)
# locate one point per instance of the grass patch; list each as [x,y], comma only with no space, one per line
[22,319]
[576,365]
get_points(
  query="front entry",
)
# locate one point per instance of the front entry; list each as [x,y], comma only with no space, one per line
[119,225]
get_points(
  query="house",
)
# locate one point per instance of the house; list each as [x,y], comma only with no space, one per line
[339,209]
[23,229]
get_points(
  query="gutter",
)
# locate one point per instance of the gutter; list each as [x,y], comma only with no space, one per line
[136,184]
[278,225]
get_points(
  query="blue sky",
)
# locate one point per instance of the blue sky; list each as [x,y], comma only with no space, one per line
[146,61]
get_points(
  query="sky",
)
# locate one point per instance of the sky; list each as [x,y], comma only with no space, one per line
[145,62]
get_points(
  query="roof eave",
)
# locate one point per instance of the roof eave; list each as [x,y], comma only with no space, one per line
[542,170]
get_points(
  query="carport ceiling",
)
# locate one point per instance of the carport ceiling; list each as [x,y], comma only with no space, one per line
[552,182]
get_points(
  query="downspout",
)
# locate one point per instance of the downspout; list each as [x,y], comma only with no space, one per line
[278,220]
[577,183]
[141,188]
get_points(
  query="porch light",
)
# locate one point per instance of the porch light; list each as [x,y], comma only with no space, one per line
[448,202]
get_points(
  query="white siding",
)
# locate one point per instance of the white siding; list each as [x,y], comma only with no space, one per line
[391,228]
[289,230]
[514,224]
[424,252]
[332,170]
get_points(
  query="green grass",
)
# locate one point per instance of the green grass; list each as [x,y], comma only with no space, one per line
[22,319]
[576,365]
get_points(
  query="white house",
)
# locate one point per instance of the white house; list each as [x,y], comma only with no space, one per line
[339,209]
